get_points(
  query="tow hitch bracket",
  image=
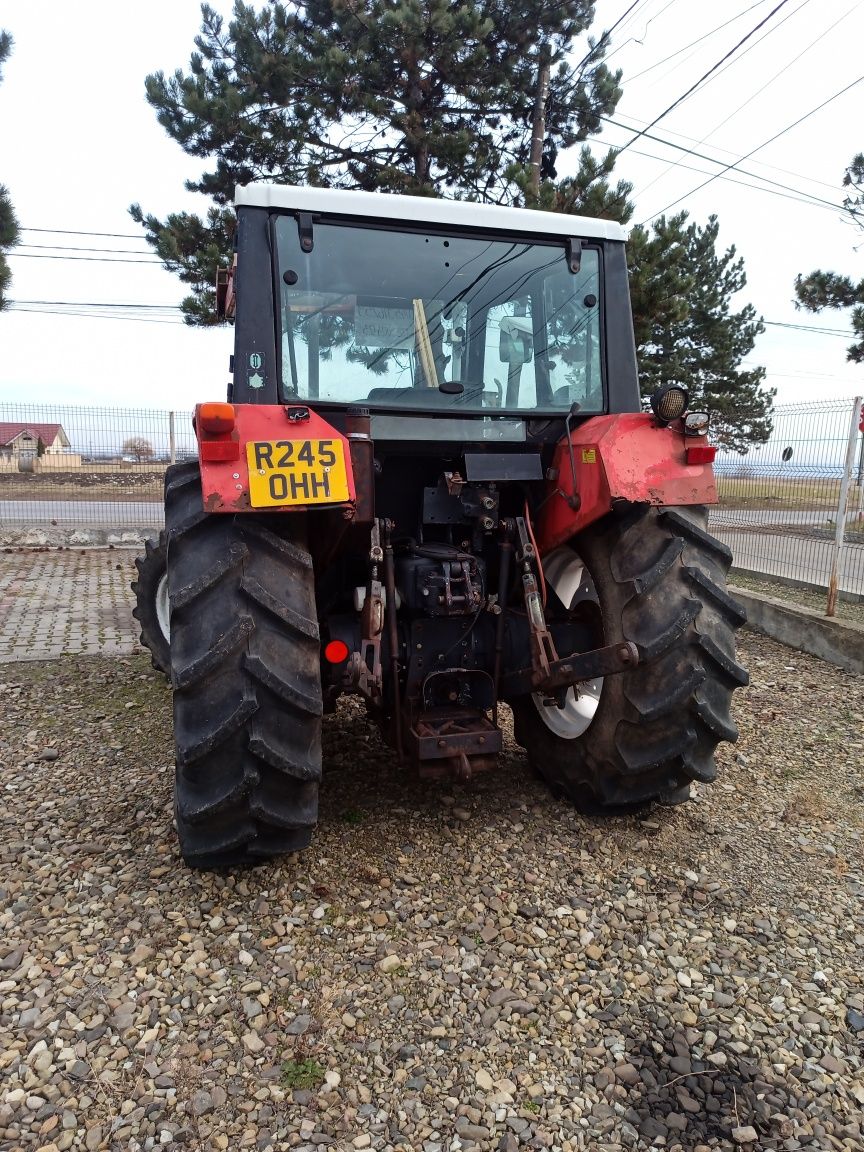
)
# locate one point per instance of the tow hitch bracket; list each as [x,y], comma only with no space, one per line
[580,666]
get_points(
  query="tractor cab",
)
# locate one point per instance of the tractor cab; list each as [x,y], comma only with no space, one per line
[403,304]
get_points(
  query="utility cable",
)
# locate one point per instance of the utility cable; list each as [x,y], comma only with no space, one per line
[717,148]
[809,328]
[97,259]
[693,43]
[713,160]
[72,248]
[72,232]
[97,316]
[648,23]
[94,304]
[604,39]
[705,76]
[746,103]
[758,148]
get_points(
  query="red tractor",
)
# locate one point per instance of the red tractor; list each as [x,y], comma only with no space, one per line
[432,485]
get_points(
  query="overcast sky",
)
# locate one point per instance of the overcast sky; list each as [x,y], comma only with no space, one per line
[79,143]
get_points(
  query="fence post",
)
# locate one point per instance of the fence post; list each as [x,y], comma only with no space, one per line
[172,445]
[842,507]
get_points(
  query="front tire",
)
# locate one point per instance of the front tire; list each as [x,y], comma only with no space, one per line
[245,667]
[151,602]
[660,582]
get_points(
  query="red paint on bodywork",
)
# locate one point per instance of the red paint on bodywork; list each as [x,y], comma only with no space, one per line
[624,457]
[225,485]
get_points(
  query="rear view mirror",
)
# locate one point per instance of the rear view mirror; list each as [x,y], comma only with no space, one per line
[515,340]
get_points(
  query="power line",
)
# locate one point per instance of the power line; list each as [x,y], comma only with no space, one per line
[785,68]
[727,151]
[758,148]
[95,304]
[71,232]
[693,43]
[97,316]
[705,76]
[604,39]
[72,248]
[731,63]
[647,25]
[712,160]
[98,259]
[810,328]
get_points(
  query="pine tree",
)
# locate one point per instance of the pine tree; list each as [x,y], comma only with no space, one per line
[821,290]
[427,97]
[687,331]
[431,97]
[8,221]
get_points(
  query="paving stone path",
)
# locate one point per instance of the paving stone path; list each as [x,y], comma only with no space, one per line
[54,603]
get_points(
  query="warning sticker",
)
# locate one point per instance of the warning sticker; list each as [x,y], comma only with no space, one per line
[589,455]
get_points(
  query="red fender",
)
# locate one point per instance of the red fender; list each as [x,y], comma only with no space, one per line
[625,457]
[294,433]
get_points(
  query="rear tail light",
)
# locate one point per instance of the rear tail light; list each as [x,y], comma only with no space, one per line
[216,418]
[336,652]
[212,451]
[701,454]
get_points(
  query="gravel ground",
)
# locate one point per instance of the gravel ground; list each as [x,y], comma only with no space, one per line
[806,597]
[446,968]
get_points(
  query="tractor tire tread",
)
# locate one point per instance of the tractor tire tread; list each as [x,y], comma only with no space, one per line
[151,570]
[660,581]
[247,694]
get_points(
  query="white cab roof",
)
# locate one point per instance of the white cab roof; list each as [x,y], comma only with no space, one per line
[424,210]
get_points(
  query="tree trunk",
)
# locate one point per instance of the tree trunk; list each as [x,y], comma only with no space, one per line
[538,123]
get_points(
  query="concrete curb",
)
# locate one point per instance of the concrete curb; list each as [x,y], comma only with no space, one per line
[838,642]
[59,536]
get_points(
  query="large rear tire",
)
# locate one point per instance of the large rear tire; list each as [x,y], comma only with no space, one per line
[151,602]
[659,580]
[245,667]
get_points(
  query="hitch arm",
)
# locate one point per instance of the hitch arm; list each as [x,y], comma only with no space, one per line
[572,669]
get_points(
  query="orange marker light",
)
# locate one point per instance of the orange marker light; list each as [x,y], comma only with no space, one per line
[336,652]
[217,418]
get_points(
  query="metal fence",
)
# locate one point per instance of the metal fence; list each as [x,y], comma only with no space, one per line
[785,509]
[64,468]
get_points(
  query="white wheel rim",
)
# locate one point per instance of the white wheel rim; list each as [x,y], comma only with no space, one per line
[162,617]
[569,578]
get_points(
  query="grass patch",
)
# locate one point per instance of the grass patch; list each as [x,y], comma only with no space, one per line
[805,804]
[777,492]
[806,597]
[352,816]
[301,1074]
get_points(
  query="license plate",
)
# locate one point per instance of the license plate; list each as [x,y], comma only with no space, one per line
[296,472]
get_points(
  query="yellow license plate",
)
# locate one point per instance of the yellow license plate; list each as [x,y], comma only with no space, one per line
[296,472]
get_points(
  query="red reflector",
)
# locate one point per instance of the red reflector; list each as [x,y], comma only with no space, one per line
[701,454]
[215,450]
[336,652]
[217,418]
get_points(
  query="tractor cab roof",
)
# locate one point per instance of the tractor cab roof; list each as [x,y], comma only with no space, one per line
[382,206]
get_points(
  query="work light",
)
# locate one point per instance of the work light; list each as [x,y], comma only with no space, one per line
[669,402]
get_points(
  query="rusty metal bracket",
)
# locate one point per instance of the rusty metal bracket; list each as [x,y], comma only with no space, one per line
[572,669]
[543,653]
[365,666]
[454,743]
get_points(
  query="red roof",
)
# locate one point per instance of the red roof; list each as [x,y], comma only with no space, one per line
[47,433]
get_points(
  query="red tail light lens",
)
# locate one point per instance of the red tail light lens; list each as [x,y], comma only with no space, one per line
[701,454]
[214,451]
[336,652]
